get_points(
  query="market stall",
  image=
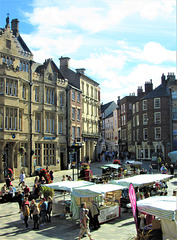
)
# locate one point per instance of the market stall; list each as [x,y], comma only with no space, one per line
[164,208]
[106,195]
[146,185]
[62,197]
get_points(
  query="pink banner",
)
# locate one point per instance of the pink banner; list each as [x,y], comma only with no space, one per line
[132,197]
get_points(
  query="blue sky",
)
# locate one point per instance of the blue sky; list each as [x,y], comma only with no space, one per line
[121,43]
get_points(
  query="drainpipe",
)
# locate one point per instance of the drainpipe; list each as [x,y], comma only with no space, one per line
[31,84]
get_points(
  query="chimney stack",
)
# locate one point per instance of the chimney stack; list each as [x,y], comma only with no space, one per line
[148,86]
[15,27]
[80,70]
[140,91]
[64,63]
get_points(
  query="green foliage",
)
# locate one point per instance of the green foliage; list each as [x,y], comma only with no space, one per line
[143,235]
[46,191]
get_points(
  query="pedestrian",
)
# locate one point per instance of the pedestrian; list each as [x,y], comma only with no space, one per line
[51,175]
[64,178]
[22,178]
[49,209]
[25,202]
[172,169]
[150,169]
[36,217]
[85,225]
[43,211]
[31,207]
[95,212]
[26,215]
[20,199]
[159,160]
[8,181]
[26,191]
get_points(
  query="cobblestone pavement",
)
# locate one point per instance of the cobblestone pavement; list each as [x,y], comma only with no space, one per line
[11,227]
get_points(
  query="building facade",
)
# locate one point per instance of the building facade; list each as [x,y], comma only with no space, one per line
[32,108]
[90,108]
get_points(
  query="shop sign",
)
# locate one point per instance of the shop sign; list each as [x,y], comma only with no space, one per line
[107,214]
[132,197]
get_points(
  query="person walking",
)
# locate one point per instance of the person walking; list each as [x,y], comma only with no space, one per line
[22,178]
[43,207]
[95,212]
[49,209]
[85,225]
[32,204]
[20,199]
[26,215]
[36,217]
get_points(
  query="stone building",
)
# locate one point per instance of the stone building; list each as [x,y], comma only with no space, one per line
[32,108]
[90,108]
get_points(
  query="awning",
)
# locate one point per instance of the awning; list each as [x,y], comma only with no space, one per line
[95,190]
[68,185]
[141,180]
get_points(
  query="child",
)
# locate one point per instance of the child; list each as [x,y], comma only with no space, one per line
[36,217]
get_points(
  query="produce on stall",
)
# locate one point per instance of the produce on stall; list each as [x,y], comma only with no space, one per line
[106,195]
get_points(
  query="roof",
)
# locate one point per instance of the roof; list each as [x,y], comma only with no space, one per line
[23,44]
[68,185]
[160,91]
[142,180]
[160,206]
[105,106]
[95,190]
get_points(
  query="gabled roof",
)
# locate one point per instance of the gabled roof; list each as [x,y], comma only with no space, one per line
[23,44]
[110,115]
[160,91]
[105,106]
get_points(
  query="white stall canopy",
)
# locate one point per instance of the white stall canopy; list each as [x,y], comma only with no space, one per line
[173,156]
[111,165]
[95,190]
[68,185]
[141,180]
[165,208]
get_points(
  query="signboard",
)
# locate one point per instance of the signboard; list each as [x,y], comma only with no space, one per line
[132,197]
[35,161]
[109,213]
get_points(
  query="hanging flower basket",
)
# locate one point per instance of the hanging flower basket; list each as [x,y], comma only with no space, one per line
[21,151]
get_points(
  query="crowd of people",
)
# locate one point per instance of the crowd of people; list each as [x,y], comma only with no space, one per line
[40,213]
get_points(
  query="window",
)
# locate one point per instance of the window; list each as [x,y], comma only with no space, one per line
[15,89]
[49,122]
[78,132]
[138,134]
[25,156]
[137,120]
[83,87]
[8,44]
[174,113]
[137,107]
[157,133]
[96,97]
[61,98]
[50,96]
[37,122]
[157,117]
[78,96]
[20,120]
[122,108]
[73,95]
[73,113]
[145,134]
[156,103]
[1,118]
[73,133]
[92,92]
[1,85]
[133,121]
[24,92]
[174,95]
[87,89]
[78,114]
[144,104]
[38,154]
[36,94]
[145,119]
[11,119]
[60,125]
[49,154]
[133,108]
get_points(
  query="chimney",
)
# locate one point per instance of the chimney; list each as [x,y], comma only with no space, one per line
[118,101]
[140,91]
[148,86]
[163,78]
[14,27]
[80,70]
[64,63]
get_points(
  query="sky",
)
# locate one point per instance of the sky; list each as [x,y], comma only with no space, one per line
[121,43]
